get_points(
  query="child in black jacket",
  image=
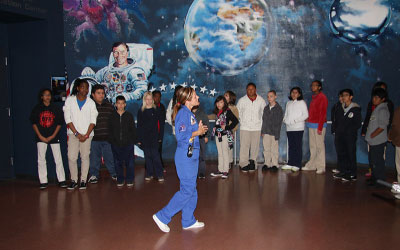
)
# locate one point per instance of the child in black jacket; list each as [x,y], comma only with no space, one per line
[347,122]
[149,137]
[122,139]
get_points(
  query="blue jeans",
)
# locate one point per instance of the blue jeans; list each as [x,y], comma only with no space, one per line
[100,149]
[121,155]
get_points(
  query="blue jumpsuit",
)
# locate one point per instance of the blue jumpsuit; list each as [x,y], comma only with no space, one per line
[185,199]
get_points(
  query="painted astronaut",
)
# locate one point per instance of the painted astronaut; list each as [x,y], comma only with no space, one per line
[127,73]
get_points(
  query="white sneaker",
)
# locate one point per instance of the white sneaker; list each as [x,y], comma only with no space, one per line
[335,171]
[320,172]
[163,227]
[286,167]
[397,196]
[308,169]
[197,224]
[295,169]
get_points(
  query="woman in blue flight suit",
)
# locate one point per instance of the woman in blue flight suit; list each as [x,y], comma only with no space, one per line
[187,131]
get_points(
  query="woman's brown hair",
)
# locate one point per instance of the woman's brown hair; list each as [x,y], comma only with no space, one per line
[182,96]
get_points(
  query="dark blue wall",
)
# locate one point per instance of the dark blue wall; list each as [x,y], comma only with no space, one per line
[36,52]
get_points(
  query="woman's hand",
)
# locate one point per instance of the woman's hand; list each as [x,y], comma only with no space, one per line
[202,128]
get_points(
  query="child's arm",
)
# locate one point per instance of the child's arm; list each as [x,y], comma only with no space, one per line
[42,138]
[383,121]
[50,138]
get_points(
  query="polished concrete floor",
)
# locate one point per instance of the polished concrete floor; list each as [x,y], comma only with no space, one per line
[273,210]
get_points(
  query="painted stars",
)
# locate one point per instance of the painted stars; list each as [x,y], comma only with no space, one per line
[213,92]
[163,87]
[203,89]
[193,86]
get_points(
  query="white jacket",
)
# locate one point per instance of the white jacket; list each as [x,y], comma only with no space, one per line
[250,113]
[295,115]
[81,118]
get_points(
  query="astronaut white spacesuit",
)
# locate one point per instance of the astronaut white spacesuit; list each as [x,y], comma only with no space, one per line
[130,81]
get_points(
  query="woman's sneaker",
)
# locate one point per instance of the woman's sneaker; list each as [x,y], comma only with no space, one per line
[197,224]
[217,174]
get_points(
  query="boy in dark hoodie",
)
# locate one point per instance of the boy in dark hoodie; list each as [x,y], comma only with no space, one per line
[346,124]
[122,139]
[270,130]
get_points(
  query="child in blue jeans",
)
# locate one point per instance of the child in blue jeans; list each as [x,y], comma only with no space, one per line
[122,139]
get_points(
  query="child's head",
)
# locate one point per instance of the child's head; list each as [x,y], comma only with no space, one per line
[346,96]
[230,97]
[120,103]
[271,96]
[220,104]
[316,86]
[251,89]
[98,93]
[45,95]
[382,85]
[81,87]
[157,97]
[296,94]
[378,96]
[148,101]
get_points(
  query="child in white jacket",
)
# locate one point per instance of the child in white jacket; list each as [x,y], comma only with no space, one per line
[296,114]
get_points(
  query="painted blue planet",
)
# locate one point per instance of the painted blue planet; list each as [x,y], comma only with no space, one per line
[359,21]
[227,36]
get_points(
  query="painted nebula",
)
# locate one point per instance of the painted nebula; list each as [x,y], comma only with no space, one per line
[359,21]
[227,36]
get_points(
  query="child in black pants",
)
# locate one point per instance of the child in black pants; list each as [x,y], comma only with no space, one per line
[149,137]
[201,116]
[346,124]
[122,139]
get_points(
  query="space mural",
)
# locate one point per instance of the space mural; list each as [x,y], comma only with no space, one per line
[219,45]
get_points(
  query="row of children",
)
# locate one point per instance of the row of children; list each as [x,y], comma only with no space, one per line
[96,131]
[346,121]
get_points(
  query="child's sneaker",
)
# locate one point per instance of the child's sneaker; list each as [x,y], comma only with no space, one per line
[148,178]
[43,185]
[295,169]
[93,179]
[224,175]
[130,184]
[83,185]
[160,179]
[286,167]
[72,185]
[62,184]
[120,183]
[217,174]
